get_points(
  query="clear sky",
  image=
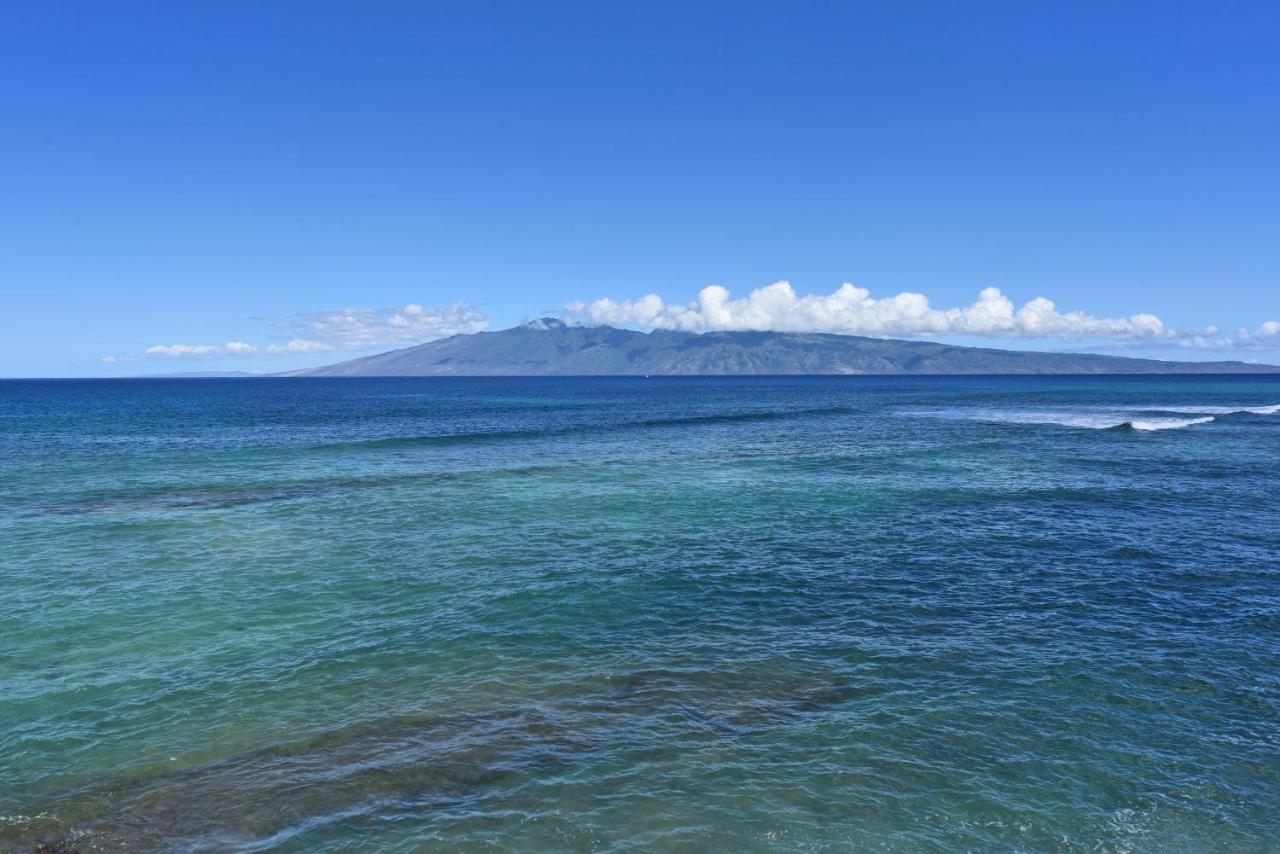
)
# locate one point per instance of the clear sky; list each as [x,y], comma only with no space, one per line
[212,181]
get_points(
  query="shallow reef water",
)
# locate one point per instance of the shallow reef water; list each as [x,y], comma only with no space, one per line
[845,613]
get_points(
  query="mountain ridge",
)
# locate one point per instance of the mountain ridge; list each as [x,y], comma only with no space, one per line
[550,347]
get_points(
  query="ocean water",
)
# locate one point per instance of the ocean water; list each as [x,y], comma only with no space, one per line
[660,614]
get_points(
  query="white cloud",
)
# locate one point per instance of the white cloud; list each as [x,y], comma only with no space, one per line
[852,310]
[348,329]
[1265,337]
[369,328]
[300,345]
[173,350]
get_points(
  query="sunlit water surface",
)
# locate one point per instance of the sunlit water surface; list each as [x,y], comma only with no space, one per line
[606,614]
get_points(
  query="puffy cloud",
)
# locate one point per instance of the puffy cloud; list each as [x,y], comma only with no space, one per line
[182,350]
[1265,337]
[231,348]
[852,310]
[300,345]
[348,329]
[369,328]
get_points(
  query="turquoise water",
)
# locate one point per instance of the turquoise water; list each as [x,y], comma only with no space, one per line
[606,614]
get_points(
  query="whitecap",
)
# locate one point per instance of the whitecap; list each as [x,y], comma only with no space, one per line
[1216,410]
[1104,421]
[1087,420]
[1146,424]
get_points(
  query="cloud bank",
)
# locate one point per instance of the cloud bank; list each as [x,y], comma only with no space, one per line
[344,329]
[367,328]
[1265,338]
[852,310]
[188,351]
[777,307]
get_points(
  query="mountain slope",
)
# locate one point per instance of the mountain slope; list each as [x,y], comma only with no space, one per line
[548,347]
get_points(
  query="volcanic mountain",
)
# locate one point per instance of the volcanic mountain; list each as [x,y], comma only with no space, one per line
[550,347]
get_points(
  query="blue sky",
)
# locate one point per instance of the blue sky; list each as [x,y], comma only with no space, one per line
[192,175]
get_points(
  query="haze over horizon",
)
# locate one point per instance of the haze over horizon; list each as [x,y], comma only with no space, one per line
[266,188]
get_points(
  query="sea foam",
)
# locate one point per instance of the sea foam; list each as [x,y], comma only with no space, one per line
[1137,420]
[1166,423]
[1217,410]
[1100,420]
[1140,418]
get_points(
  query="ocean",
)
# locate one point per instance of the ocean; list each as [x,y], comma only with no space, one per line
[698,614]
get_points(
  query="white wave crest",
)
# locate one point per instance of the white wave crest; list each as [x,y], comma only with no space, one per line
[1082,420]
[1144,418]
[1167,423]
[1216,410]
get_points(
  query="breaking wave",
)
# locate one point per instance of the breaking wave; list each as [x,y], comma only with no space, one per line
[1144,424]
[1140,419]
[1218,410]
[1095,420]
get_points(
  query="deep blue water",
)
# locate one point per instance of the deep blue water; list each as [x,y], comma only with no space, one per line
[668,614]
